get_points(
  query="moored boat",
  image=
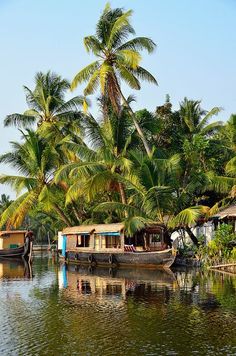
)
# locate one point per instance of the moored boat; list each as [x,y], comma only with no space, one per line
[15,244]
[107,244]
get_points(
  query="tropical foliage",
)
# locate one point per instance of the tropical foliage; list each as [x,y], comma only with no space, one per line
[222,248]
[168,166]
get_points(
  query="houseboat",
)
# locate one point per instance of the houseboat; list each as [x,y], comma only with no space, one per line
[107,244]
[15,244]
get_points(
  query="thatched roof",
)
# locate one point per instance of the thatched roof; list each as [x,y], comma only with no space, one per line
[229,212]
[88,229]
[109,227]
[7,232]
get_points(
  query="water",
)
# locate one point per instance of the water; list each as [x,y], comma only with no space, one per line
[126,312]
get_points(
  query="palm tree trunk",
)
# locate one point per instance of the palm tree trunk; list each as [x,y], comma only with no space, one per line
[192,236]
[62,215]
[122,193]
[138,128]
[123,196]
[76,211]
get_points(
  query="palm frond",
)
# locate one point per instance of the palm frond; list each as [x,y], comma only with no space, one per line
[84,74]
[129,58]
[212,128]
[139,43]
[18,183]
[213,112]
[128,77]
[19,120]
[16,212]
[92,44]
[117,206]
[71,105]
[188,216]
[231,167]
[143,74]
[121,29]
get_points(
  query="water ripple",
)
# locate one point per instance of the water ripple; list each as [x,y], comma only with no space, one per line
[98,314]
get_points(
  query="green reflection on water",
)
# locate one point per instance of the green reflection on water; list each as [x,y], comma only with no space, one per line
[123,312]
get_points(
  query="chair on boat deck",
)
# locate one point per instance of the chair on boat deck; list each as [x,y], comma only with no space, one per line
[129,248]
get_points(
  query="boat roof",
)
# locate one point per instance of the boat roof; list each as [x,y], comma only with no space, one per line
[7,232]
[88,229]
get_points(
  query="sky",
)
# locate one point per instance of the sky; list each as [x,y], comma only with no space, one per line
[195,55]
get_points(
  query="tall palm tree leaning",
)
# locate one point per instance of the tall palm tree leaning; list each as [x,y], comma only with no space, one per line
[118,59]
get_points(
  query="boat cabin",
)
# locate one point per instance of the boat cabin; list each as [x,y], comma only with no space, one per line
[111,238]
[12,239]
[86,238]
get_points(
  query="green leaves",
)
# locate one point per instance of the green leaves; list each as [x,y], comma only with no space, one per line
[139,43]
[85,74]
[20,120]
[121,28]
[188,216]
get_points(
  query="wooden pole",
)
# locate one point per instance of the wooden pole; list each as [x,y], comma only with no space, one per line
[31,250]
[222,266]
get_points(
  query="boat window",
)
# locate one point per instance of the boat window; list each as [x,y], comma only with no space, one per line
[112,241]
[155,237]
[82,240]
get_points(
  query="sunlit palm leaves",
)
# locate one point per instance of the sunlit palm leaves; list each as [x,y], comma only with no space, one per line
[118,59]
[36,161]
[47,103]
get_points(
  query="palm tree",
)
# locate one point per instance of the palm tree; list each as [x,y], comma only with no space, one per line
[118,60]
[155,195]
[36,160]
[195,120]
[99,167]
[5,201]
[47,103]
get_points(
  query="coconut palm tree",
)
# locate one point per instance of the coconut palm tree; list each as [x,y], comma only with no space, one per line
[195,120]
[99,166]
[36,161]
[5,201]
[118,59]
[155,195]
[47,103]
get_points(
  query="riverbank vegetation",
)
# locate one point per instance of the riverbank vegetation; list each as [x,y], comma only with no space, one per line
[166,165]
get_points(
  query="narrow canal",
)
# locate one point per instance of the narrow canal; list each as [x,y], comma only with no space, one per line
[79,311]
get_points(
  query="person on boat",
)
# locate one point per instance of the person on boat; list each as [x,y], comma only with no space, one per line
[29,237]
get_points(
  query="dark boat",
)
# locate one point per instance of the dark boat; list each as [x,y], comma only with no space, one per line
[15,244]
[107,244]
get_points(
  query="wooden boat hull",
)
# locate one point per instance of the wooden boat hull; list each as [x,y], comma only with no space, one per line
[22,251]
[163,258]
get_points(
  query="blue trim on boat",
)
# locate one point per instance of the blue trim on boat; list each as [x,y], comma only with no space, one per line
[64,246]
[108,233]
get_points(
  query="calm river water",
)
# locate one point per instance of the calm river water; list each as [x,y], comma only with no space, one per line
[78,311]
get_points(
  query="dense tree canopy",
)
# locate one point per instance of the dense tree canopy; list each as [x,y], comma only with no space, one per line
[166,166]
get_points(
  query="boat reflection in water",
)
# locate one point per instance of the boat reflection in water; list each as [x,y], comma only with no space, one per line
[15,269]
[81,282]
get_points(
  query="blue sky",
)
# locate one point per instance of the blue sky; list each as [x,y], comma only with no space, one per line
[195,56]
